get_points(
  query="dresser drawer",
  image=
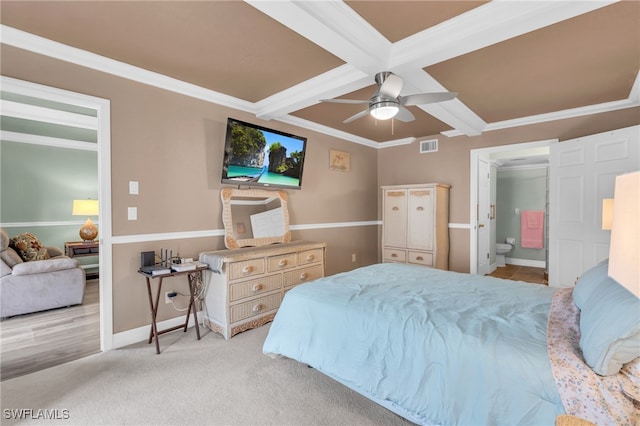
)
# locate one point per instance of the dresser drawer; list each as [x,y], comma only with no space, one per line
[247,268]
[302,275]
[310,256]
[421,258]
[254,287]
[278,263]
[394,255]
[255,307]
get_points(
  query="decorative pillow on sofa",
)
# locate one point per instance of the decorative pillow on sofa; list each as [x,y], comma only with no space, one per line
[609,327]
[28,247]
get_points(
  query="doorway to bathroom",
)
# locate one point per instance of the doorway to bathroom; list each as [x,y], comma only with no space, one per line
[517,181]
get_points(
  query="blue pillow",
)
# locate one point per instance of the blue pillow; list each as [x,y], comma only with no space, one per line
[609,326]
[588,282]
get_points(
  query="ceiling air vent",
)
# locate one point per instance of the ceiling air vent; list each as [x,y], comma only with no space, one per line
[430,145]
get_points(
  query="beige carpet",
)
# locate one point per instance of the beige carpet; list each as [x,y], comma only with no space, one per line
[206,382]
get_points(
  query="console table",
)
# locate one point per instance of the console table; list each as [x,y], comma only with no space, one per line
[192,276]
[82,249]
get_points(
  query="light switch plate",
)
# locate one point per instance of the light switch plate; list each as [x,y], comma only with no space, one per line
[133,187]
[132,213]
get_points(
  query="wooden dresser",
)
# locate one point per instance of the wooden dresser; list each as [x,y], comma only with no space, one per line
[248,288]
[415,224]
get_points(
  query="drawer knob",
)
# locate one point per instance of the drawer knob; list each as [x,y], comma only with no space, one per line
[257,308]
[394,255]
[310,258]
[395,209]
[419,208]
[304,276]
[419,258]
[282,263]
[247,269]
[257,287]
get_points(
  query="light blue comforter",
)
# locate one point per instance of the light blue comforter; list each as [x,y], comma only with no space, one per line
[436,347]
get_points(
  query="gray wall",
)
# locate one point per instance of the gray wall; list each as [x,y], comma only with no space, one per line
[524,189]
[38,186]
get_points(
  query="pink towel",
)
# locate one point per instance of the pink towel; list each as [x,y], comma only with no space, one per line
[532,229]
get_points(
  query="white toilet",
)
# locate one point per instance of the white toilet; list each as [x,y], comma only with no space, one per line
[501,250]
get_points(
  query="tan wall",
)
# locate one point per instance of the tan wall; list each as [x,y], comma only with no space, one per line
[450,165]
[173,145]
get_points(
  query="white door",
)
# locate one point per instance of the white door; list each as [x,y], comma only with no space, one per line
[582,173]
[483,216]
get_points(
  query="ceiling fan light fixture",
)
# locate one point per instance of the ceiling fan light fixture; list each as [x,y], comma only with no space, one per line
[384,110]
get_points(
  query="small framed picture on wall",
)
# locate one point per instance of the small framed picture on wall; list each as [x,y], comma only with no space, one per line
[339,161]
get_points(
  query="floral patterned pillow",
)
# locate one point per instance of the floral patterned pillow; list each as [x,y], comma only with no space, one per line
[28,247]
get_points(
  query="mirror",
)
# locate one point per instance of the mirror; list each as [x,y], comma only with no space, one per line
[254,217]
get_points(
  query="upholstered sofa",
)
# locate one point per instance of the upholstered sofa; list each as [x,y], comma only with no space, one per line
[51,281]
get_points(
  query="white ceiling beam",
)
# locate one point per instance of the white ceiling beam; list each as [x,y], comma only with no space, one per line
[328,85]
[338,29]
[333,26]
[483,26]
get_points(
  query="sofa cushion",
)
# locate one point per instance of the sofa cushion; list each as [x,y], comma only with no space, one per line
[47,265]
[54,251]
[4,269]
[10,257]
[29,247]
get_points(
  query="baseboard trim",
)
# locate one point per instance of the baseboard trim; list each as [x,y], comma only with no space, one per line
[526,262]
[140,334]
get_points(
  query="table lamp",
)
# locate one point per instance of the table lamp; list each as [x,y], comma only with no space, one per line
[88,232]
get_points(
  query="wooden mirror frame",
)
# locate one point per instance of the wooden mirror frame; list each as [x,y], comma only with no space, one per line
[230,241]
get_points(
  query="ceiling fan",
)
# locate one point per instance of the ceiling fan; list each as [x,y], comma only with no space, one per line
[387,103]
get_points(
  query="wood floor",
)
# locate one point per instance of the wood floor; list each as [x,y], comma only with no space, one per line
[521,273]
[41,340]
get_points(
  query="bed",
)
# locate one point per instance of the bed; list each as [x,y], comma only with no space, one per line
[440,348]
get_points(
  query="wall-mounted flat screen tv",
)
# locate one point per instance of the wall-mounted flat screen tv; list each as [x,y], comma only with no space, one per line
[261,157]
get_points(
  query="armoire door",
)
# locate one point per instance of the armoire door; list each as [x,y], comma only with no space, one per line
[420,220]
[395,217]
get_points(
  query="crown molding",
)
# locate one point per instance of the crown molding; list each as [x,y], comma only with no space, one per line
[552,116]
[53,49]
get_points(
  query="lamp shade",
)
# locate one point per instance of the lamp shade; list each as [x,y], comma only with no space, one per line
[88,232]
[85,208]
[607,213]
[624,251]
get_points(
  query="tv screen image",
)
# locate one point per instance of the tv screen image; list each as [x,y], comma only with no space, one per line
[258,156]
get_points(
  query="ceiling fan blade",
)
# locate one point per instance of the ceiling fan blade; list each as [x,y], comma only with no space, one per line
[356,116]
[391,86]
[345,101]
[404,115]
[426,98]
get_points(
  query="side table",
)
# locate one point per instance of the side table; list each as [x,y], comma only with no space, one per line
[192,276]
[81,249]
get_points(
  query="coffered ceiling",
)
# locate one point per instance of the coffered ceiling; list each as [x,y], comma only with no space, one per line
[511,62]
